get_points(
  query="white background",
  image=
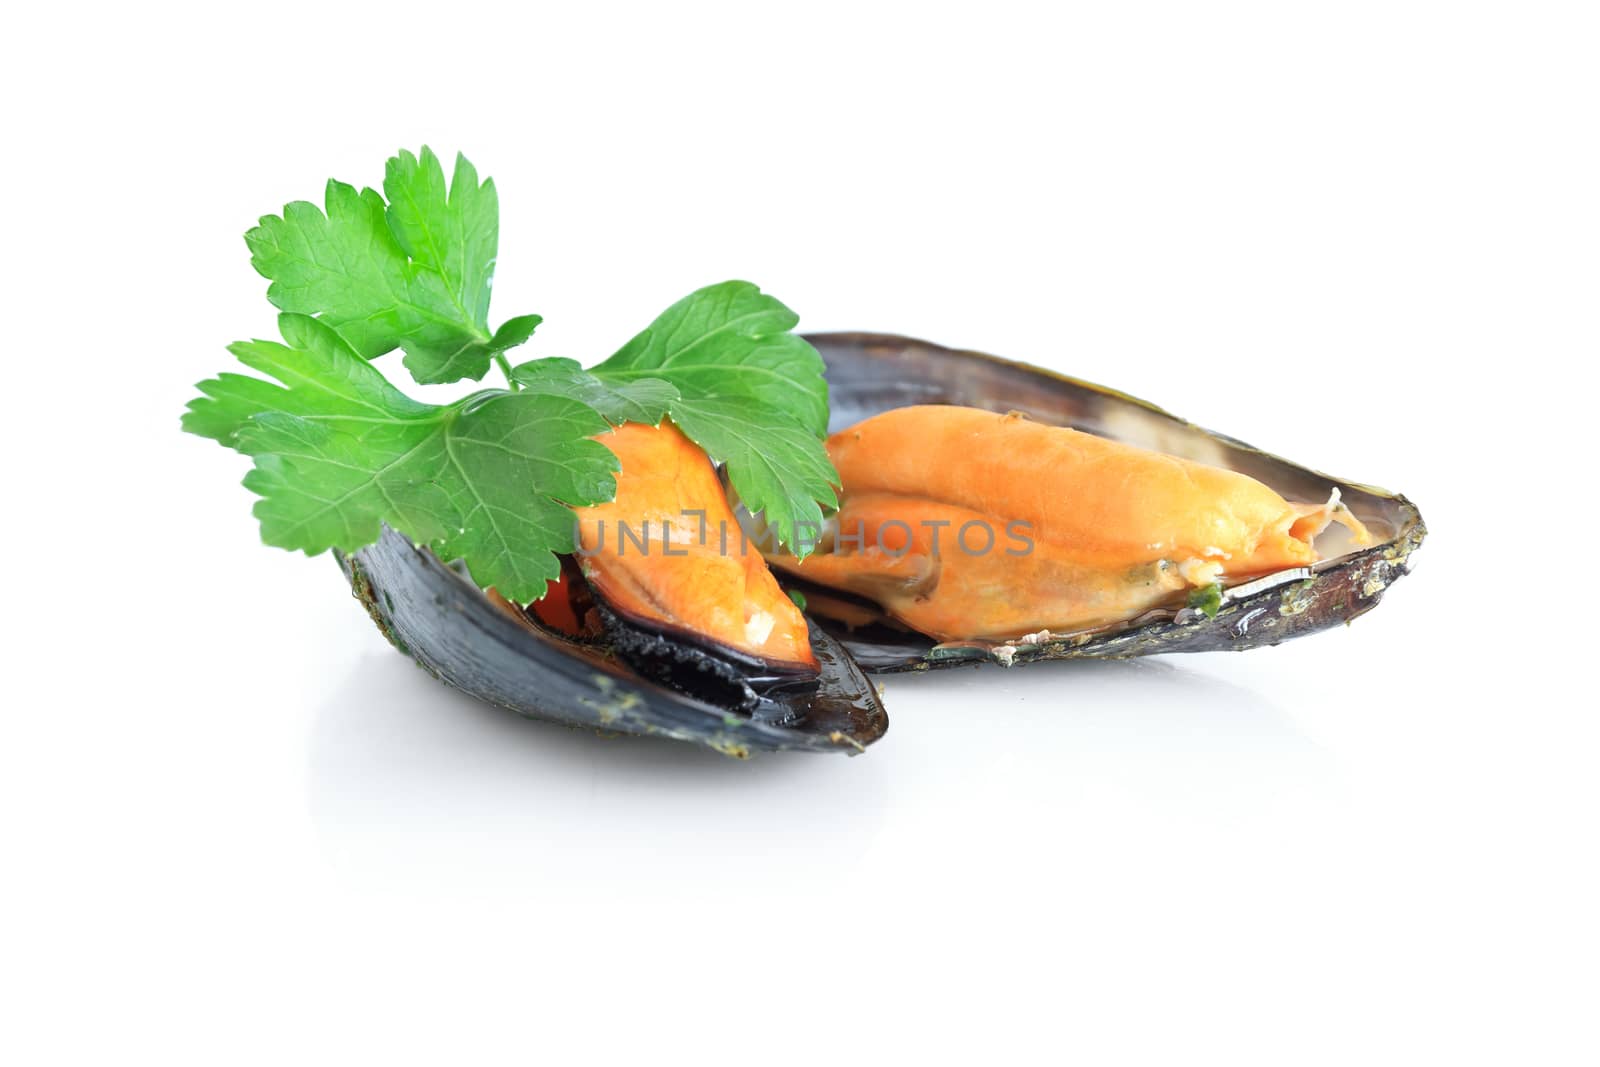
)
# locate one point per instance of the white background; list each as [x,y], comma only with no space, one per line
[238,828]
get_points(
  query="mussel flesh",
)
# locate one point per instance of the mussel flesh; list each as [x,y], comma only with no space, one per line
[965,524]
[1270,594]
[677,599]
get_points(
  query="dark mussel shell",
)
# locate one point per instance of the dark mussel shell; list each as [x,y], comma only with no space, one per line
[440,618]
[871,373]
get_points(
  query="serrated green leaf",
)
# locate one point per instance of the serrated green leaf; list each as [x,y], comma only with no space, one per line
[413,274]
[751,394]
[778,468]
[322,378]
[640,400]
[339,451]
[728,341]
[509,535]
[453,232]
[226,403]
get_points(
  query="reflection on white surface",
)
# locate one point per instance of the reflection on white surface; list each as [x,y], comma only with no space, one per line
[404,769]
[401,764]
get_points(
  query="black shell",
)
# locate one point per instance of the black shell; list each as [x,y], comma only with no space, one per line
[442,620]
[871,373]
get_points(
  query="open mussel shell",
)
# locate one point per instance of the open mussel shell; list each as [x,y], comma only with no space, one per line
[871,373]
[440,618]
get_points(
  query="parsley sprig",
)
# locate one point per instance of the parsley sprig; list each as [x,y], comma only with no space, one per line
[489,479]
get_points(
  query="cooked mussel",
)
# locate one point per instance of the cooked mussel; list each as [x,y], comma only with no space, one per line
[1096,531]
[657,625]
[677,600]
[436,614]
[1129,515]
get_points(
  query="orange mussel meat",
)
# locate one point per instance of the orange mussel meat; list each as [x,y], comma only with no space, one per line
[966,524]
[666,553]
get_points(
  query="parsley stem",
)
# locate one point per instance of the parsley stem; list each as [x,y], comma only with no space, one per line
[505,368]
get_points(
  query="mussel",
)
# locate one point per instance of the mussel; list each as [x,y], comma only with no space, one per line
[633,647]
[1098,531]
[436,614]
[654,627]
[675,599]
[1297,593]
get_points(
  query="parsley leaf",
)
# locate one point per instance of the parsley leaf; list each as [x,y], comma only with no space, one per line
[778,469]
[643,400]
[491,478]
[413,274]
[730,340]
[750,393]
[339,451]
[451,232]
